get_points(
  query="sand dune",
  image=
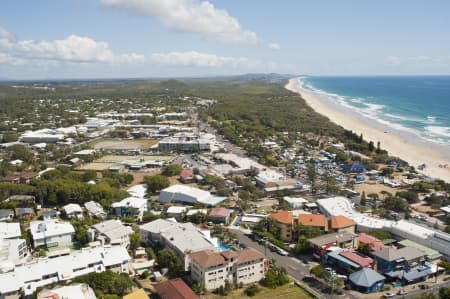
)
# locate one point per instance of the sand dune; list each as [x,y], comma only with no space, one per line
[406,145]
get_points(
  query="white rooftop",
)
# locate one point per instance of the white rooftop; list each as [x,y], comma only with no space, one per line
[72,208]
[85,152]
[134,202]
[183,193]
[241,163]
[10,230]
[94,208]
[77,291]
[270,175]
[113,229]
[48,228]
[176,210]
[138,190]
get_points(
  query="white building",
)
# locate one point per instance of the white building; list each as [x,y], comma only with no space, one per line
[426,236]
[110,232]
[51,233]
[183,238]
[189,195]
[238,165]
[73,210]
[176,211]
[187,142]
[95,209]
[131,206]
[10,230]
[211,269]
[12,252]
[76,291]
[295,202]
[46,271]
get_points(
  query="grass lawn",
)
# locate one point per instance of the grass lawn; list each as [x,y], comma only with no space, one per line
[287,291]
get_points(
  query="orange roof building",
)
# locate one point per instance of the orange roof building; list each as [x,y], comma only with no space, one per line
[175,289]
[315,220]
[341,223]
[282,216]
[284,221]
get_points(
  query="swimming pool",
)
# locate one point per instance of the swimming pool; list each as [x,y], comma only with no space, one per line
[223,246]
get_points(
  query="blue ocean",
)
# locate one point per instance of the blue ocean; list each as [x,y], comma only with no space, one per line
[418,103]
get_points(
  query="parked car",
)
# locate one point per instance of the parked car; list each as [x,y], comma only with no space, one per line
[424,286]
[402,292]
[388,295]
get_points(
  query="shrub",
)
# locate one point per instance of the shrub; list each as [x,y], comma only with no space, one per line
[252,290]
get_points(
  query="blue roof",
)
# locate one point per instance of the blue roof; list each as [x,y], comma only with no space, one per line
[365,277]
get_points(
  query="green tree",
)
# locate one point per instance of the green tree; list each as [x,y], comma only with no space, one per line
[312,176]
[275,277]
[302,245]
[167,258]
[252,290]
[363,200]
[444,293]
[171,170]
[365,248]
[135,241]
[156,183]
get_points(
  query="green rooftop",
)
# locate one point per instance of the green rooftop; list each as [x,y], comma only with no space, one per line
[430,253]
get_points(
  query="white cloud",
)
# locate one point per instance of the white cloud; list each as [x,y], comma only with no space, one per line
[392,60]
[198,59]
[71,49]
[189,16]
[274,46]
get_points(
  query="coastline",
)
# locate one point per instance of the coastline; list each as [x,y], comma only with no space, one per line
[405,145]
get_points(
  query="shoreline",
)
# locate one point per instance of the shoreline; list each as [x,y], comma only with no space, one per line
[405,145]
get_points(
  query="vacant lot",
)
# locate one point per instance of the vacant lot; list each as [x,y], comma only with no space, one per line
[284,292]
[113,144]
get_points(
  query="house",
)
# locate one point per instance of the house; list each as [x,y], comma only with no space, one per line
[176,211]
[131,206]
[295,202]
[346,261]
[315,220]
[51,233]
[10,230]
[21,198]
[430,254]
[12,252]
[375,243]
[211,269]
[138,294]
[28,277]
[95,209]
[183,238]
[73,210]
[188,195]
[321,244]
[6,214]
[75,291]
[25,213]
[172,289]
[342,224]
[367,280]
[187,176]
[50,214]
[283,220]
[27,177]
[110,232]
[354,168]
[220,215]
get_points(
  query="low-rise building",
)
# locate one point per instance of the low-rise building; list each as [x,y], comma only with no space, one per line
[342,224]
[73,210]
[211,269]
[367,280]
[131,206]
[321,244]
[76,291]
[176,211]
[95,209]
[50,214]
[110,232]
[187,176]
[28,277]
[346,261]
[283,220]
[183,238]
[6,214]
[220,215]
[12,252]
[373,242]
[314,220]
[10,230]
[295,202]
[172,289]
[25,213]
[51,233]
[189,195]
[392,259]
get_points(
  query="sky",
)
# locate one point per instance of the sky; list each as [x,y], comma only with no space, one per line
[51,39]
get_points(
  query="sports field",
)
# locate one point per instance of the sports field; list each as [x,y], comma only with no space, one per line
[120,144]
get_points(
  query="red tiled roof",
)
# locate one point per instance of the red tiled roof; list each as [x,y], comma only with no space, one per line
[282,216]
[368,239]
[341,222]
[186,174]
[219,212]
[208,258]
[175,289]
[363,261]
[317,220]
[248,255]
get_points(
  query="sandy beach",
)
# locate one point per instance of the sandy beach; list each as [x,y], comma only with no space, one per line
[405,145]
